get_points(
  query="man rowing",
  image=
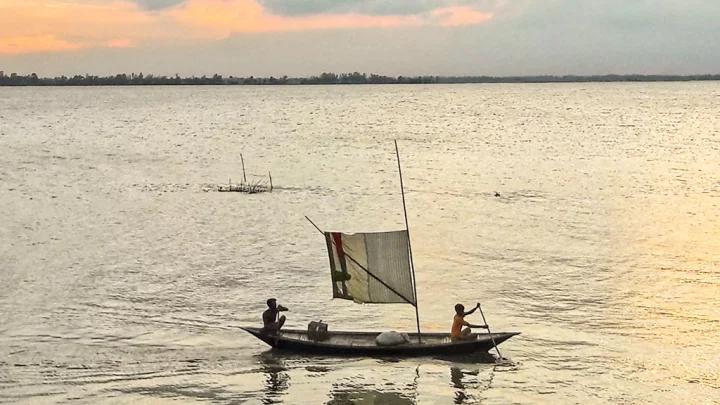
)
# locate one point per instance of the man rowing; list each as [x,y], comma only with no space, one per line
[457,333]
[271,322]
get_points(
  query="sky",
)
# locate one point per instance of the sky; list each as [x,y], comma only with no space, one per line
[392,37]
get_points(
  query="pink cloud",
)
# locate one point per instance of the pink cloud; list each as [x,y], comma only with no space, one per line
[224,17]
[452,16]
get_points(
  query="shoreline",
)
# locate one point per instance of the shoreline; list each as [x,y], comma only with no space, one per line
[15,80]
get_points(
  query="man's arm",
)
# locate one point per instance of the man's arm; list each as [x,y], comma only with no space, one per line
[472,310]
[478,326]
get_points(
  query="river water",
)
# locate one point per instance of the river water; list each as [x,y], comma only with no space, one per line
[124,280]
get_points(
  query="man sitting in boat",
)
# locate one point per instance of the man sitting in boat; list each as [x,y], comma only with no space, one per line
[271,322]
[457,332]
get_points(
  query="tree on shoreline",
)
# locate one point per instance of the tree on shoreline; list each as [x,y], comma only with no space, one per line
[140,79]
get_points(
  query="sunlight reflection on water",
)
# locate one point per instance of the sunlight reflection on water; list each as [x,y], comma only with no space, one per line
[124,280]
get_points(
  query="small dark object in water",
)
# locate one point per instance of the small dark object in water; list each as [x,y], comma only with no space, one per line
[497,194]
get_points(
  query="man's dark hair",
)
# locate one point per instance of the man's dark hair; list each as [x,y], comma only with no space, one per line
[270,301]
[459,308]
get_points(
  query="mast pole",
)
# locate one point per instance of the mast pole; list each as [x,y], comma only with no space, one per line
[407,227]
[243,166]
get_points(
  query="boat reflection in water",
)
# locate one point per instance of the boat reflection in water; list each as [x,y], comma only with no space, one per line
[463,384]
[278,367]
[334,381]
[370,397]
[277,381]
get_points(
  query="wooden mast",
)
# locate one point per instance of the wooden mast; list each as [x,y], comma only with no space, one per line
[407,227]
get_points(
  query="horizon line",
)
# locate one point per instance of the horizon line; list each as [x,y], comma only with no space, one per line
[124,79]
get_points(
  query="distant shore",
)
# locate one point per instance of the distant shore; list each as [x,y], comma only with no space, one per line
[139,79]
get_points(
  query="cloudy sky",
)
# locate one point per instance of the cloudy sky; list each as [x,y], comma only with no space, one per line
[395,37]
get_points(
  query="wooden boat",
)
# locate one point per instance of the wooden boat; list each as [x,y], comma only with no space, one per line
[363,343]
[375,268]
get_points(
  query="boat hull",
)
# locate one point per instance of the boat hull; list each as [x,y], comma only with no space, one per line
[363,344]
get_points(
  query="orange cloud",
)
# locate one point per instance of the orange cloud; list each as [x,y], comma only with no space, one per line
[28,26]
[120,43]
[82,24]
[85,20]
[36,44]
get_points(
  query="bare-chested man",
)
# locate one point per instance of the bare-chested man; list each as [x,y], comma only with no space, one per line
[271,322]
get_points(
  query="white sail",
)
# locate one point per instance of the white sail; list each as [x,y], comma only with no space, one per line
[371,267]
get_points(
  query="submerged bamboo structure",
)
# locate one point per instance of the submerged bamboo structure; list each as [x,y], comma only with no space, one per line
[245,186]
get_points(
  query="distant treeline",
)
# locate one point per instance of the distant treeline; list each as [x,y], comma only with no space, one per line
[325,78]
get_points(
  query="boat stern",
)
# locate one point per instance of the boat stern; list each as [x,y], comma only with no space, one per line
[503,336]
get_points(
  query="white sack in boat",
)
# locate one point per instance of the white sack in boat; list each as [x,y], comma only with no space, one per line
[391,338]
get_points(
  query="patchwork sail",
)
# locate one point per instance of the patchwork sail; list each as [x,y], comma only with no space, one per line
[372,267]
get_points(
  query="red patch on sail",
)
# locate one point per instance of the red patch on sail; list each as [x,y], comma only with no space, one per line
[337,237]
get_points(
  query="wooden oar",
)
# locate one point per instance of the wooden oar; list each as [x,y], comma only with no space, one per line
[489,333]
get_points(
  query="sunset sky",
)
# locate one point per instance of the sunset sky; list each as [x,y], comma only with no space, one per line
[409,37]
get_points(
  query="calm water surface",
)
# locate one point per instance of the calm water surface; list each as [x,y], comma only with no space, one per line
[123,280]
